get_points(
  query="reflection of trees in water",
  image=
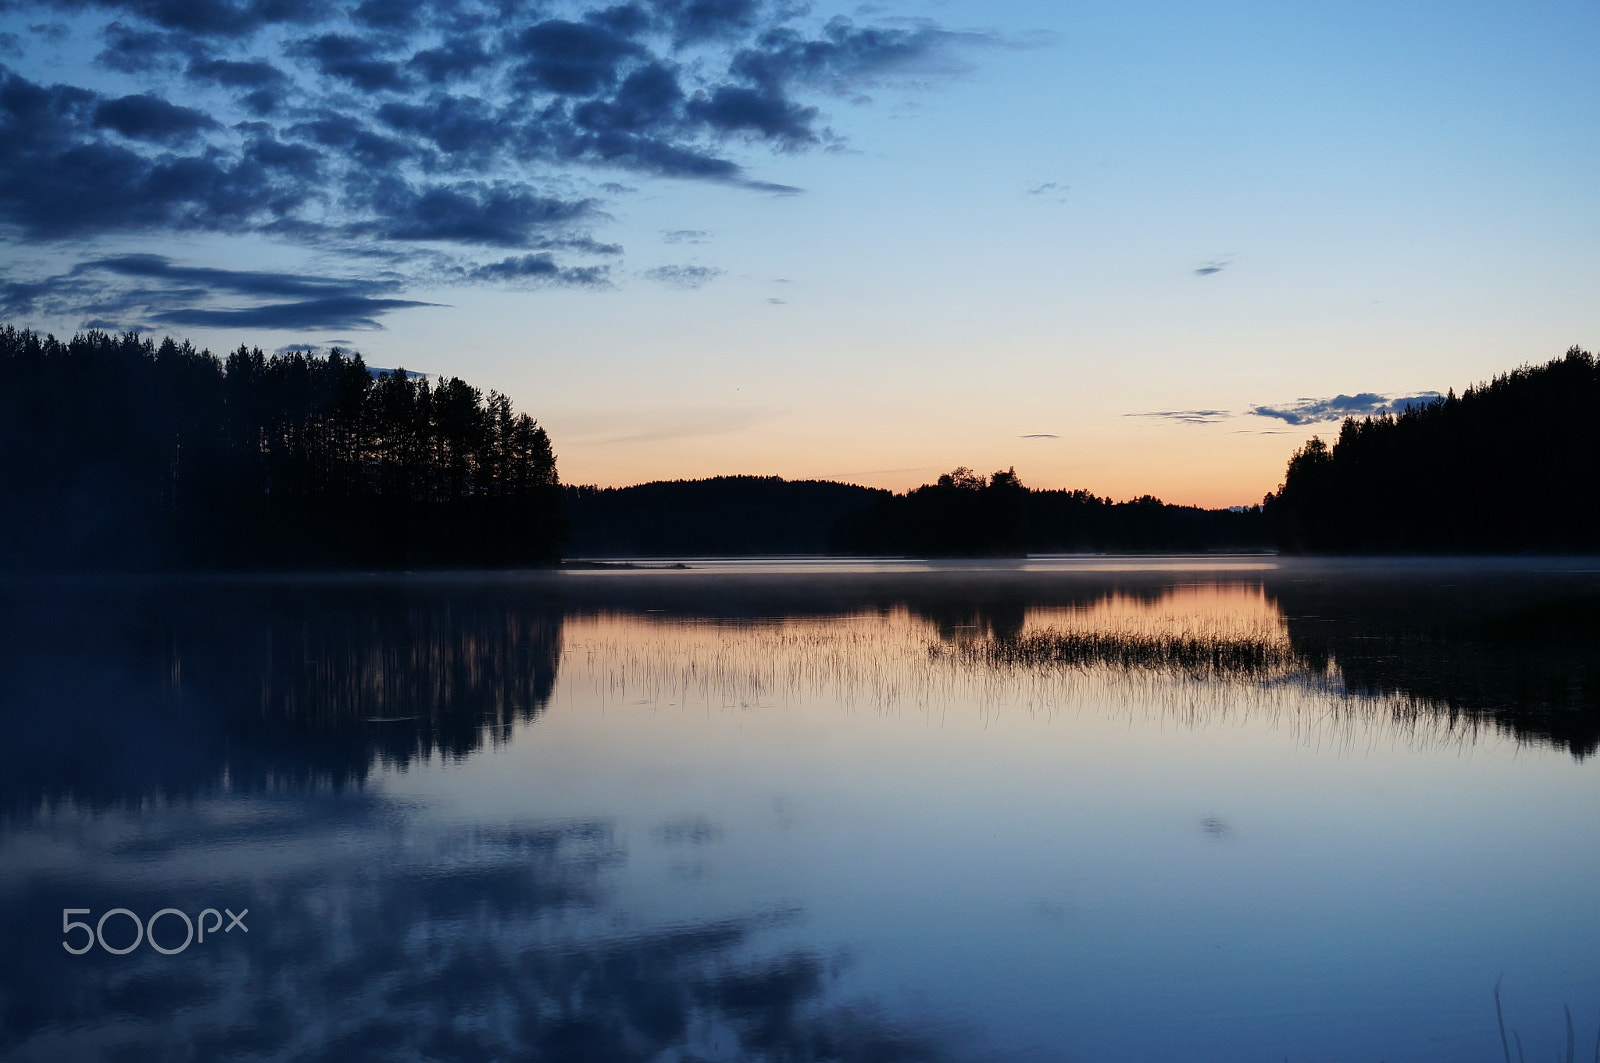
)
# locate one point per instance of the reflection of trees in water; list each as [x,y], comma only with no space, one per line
[1439,659]
[373,936]
[1524,659]
[167,688]
[1519,656]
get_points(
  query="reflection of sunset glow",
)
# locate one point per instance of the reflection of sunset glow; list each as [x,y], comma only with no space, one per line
[1126,655]
[1199,610]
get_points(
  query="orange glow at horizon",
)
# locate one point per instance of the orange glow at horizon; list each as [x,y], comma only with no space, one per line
[1179,465]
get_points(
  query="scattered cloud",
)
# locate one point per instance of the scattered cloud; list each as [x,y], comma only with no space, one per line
[1366,404]
[339,312]
[1055,191]
[542,268]
[242,282]
[1039,435]
[106,324]
[1303,411]
[684,236]
[684,276]
[1187,416]
[134,291]
[1216,265]
[777,302]
[407,126]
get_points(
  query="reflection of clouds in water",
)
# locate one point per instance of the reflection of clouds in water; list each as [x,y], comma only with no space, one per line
[376,934]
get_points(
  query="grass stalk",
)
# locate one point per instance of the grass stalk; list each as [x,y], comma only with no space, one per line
[1501,1019]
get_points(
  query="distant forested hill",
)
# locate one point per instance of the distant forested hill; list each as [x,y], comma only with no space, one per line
[966,514]
[963,515]
[725,516]
[1510,465]
[119,453]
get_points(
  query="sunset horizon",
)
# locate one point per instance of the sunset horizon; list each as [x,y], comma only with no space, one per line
[1125,250]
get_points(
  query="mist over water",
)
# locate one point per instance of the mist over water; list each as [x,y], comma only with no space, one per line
[1197,809]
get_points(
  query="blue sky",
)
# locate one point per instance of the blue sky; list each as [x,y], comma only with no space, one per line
[1125,247]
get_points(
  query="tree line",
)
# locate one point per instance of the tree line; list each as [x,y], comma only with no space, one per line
[723,516]
[962,514]
[1508,466]
[117,452]
[121,453]
[966,514]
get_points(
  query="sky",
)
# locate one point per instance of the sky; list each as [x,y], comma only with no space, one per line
[1133,248]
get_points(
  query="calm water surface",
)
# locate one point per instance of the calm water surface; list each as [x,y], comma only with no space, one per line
[1060,810]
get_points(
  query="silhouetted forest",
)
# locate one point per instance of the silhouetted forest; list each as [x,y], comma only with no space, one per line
[726,516]
[966,514]
[1508,466]
[121,453]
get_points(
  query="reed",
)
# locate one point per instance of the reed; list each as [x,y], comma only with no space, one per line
[1571,1055]
[1200,656]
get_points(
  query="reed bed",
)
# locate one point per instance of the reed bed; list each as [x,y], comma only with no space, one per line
[1197,656]
[1201,663]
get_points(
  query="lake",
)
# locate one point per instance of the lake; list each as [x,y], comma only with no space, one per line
[1196,809]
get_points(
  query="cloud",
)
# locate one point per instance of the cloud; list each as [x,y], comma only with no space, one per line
[542,268]
[1214,266]
[684,236]
[700,20]
[583,244]
[355,60]
[845,56]
[502,215]
[684,276]
[235,74]
[1366,404]
[125,291]
[1054,190]
[572,58]
[338,312]
[757,111]
[242,282]
[383,126]
[1039,435]
[1304,411]
[132,50]
[1187,416]
[20,298]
